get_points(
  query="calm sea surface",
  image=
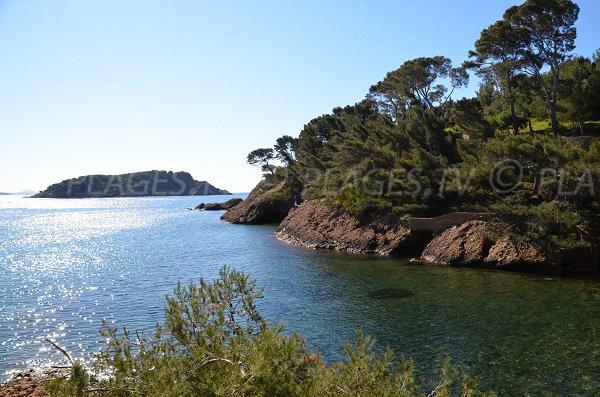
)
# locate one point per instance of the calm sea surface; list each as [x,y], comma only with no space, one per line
[67,264]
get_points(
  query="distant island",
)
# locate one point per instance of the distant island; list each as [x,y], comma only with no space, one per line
[23,193]
[137,184]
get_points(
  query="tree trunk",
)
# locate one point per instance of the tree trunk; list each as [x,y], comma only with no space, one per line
[511,101]
[427,132]
[513,117]
[549,96]
[531,130]
[555,69]
[553,118]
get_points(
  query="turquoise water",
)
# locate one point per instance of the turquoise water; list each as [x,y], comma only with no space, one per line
[67,264]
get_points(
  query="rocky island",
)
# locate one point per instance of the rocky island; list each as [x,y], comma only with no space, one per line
[136,184]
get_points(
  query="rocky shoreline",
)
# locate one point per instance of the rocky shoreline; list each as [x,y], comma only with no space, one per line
[226,206]
[314,224]
[468,244]
[30,382]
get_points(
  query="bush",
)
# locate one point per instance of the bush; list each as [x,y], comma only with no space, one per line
[555,221]
[214,342]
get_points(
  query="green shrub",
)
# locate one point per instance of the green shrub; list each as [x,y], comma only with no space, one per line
[214,342]
[555,221]
[276,198]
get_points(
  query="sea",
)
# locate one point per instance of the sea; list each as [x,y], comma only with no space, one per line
[67,265]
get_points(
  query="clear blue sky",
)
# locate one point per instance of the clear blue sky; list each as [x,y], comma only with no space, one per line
[114,86]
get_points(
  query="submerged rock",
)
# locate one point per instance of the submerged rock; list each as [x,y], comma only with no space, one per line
[390,293]
[314,224]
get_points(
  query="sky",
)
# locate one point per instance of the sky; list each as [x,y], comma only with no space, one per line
[116,86]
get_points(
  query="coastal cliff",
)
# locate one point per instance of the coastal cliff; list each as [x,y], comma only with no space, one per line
[137,184]
[314,224]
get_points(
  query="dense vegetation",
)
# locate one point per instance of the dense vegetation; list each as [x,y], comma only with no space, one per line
[135,184]
[408,148]
[214,342]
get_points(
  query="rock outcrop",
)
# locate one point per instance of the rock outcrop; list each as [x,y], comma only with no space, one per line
[469,245]
[226,206]
[466,244]
[314,224]
[265,204]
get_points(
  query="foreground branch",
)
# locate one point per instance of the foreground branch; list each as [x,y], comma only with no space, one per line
[63,351]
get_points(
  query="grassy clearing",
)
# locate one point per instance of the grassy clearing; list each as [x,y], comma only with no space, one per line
[589,127]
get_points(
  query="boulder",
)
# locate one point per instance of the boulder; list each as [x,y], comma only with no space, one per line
[265,204]
[213,207]
[523,255]
[226,206]
[229,204]
[314,224]
[466,244]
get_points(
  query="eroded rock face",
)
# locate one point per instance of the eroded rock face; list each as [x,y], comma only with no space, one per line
[511,254]
[262,206]
[460,245]
[468,245]
[315,225]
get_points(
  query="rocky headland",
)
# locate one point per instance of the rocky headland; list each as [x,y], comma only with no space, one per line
[267,203]
[316,224]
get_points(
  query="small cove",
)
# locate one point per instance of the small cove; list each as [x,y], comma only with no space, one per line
[67,264]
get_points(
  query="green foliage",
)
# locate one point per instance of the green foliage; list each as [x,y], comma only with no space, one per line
[408,149]
[276,198]
[263,158]
[497,59]
[75,386]
[580,91]
[358,203]
[552,221]
[545,30]
[467,116]
[214,342]
[284,149]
